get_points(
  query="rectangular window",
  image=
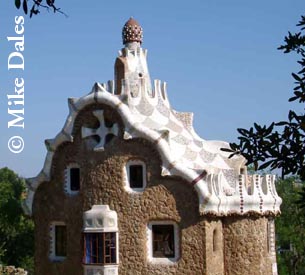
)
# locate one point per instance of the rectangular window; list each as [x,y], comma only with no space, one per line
[60,240]
[136,176]
[100,248]
[74,179]
[163,241]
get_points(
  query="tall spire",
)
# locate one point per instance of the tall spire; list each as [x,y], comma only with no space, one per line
[131,71]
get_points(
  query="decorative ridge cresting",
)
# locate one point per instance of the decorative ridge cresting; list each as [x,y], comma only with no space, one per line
[146,113]
[216,195]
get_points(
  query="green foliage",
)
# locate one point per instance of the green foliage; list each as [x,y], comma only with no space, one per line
[36,5]
[301,200]
[281,145]
[16,230]
[290,229]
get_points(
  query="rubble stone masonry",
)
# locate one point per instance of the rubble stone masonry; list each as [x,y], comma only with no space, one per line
[202,245]
[246,246]
[102,183]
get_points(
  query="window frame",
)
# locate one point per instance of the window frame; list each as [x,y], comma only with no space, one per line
[135,162]
[68,189]
[103,263]
[150,243]
[52,251]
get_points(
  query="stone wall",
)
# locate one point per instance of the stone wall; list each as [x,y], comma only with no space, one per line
[246,246]
[164,198]
[12,270]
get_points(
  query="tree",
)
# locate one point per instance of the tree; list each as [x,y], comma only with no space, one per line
[36,5]
[281,145]
[290,230]
[16,230]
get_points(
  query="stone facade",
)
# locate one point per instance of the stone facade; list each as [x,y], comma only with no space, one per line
[246,246]
[102,183]
[218,222]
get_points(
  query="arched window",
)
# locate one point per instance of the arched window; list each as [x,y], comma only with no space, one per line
[216,240]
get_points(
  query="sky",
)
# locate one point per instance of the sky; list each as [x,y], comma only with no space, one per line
[219,59]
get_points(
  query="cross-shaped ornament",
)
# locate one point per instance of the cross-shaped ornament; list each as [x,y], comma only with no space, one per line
[102,131]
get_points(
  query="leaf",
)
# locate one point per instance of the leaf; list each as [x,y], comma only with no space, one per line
[25,6]
[243,132]
[243,140]
[269,129]
[234,146]
[227,150]
[17,4]
[50,3]
[251,131]
[296,77]
[232,155]
[284,150]
[281,123]
[291,115]
[293,98]
[303,70]
[257,127]
[33,11]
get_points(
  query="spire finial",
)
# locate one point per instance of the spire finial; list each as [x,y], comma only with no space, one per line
[132,31]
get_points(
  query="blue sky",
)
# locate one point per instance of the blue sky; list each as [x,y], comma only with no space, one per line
[219,59]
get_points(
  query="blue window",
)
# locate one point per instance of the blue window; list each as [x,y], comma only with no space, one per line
[100,248]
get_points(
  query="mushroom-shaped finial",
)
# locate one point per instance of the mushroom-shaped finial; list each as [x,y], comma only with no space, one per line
[132,32]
